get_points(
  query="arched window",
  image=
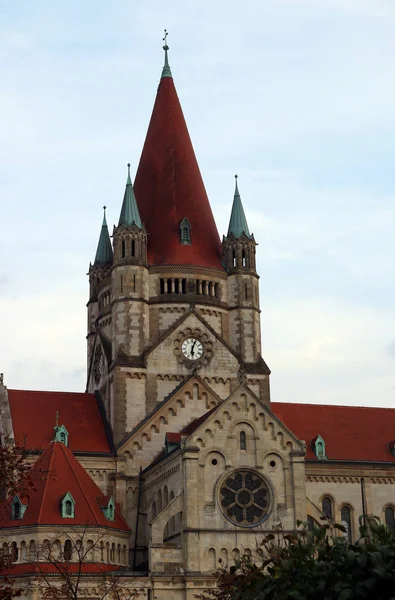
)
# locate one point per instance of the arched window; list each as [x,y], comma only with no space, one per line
[133,248]
[327,507]
[234,258]
[68,508]
[346,522]
[389,518]
[67,550]
[14,552]
[123,249]
[243,441]
[243,258]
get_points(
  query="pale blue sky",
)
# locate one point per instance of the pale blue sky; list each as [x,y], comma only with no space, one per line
[296,96]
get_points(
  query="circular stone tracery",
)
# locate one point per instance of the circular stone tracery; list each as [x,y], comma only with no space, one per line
[245,498]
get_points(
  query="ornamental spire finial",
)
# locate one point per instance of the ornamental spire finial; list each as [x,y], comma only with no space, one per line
[166,72]
[57,419]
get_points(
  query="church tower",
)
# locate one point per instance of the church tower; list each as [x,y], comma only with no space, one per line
[177,304]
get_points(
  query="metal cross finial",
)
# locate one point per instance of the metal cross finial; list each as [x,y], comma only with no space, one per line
[57,419]
[165,47]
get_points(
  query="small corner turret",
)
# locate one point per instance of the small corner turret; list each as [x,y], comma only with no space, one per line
[238,247]
[130,237]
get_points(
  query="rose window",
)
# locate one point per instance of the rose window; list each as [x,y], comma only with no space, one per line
[245,498]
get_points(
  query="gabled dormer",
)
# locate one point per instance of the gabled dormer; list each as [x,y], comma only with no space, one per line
[60,432]
[107,505]
[67,506]
[18,508]
[318,446]
[185,232]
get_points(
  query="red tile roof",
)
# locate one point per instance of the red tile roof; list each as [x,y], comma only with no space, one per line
[42,567]
[57,472]
[169,187]
[33,415]
[350,432]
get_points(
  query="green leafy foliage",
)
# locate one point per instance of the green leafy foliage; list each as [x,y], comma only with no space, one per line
[313,565]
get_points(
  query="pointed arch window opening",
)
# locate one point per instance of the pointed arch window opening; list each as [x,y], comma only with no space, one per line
[234,261]
[243,440]
[123,249]
[185,230]
[133,248]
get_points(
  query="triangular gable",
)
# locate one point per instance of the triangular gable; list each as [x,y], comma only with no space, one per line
[179,322]
[269,417]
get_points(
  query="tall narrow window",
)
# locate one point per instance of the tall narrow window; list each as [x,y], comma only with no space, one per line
[389,518]
[327,507]
[346,522]
[133,248]
[67,550]
[234,258]
[123,249]
[134,282]
[14,552]
[185,231]
[162,286]
[243,441]
[121,283]
[246,291]
[243,258]
[17,510]
[68,508]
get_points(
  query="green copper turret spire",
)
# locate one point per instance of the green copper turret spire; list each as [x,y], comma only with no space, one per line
[166,72]
[104,248]
[238,222]
[129,212]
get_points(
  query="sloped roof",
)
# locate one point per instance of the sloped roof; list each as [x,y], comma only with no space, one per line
[169,187]
[56,473]
[350,432]
[104,254]
[19,569]
[33,415]
[238,222]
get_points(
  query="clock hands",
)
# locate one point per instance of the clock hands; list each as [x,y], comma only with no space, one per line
[193,349]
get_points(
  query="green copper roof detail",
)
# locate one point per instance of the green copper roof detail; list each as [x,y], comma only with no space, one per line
[129,212]
[166,72]
[238,222]
[104,248]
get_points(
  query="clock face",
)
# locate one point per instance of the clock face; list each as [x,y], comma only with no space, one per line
[192,348]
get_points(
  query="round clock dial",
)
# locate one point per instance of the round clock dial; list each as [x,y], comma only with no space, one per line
[192,348]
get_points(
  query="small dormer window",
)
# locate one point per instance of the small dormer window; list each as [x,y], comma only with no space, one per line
[67,507]
[108,507]
[61,435]
[185,229]
[18,509]
[318,446]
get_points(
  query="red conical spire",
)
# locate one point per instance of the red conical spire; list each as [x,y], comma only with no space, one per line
[169,187]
